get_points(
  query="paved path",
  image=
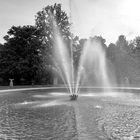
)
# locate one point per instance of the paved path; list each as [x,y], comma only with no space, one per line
[87,115]
[106,120]
[99,119]
[15,88]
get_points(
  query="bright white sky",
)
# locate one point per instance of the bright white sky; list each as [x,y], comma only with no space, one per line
[109,18]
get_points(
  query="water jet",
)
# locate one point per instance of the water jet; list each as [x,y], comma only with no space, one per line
[91,69]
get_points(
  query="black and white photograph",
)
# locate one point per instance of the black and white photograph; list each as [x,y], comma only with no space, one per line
[69,69]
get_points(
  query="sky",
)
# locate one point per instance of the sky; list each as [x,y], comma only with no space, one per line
[108,18]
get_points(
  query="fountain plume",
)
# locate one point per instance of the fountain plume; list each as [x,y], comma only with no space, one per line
[92,68]
[62,58]
[92,64]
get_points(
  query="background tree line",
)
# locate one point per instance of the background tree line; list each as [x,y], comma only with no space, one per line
[26,55]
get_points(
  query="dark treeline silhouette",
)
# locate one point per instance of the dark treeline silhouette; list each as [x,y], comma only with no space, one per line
[26,55]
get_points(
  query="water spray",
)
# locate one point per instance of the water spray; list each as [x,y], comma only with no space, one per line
[73,96]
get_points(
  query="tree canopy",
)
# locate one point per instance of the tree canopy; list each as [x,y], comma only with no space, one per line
[45,23]
[28,50]
[20,54]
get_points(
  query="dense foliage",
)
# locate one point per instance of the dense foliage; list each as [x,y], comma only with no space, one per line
[26,56]
[19,57]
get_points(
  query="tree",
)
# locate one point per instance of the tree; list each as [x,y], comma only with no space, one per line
[135,45]
[20,56]
[49,17]
[101,40]
[122,44]
[137,42]
[111,51]
[49,21]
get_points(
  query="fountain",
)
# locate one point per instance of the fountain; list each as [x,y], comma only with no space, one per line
[92,65]
[91,70]
[64,62]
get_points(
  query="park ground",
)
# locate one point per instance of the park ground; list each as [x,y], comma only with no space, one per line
[48,114]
